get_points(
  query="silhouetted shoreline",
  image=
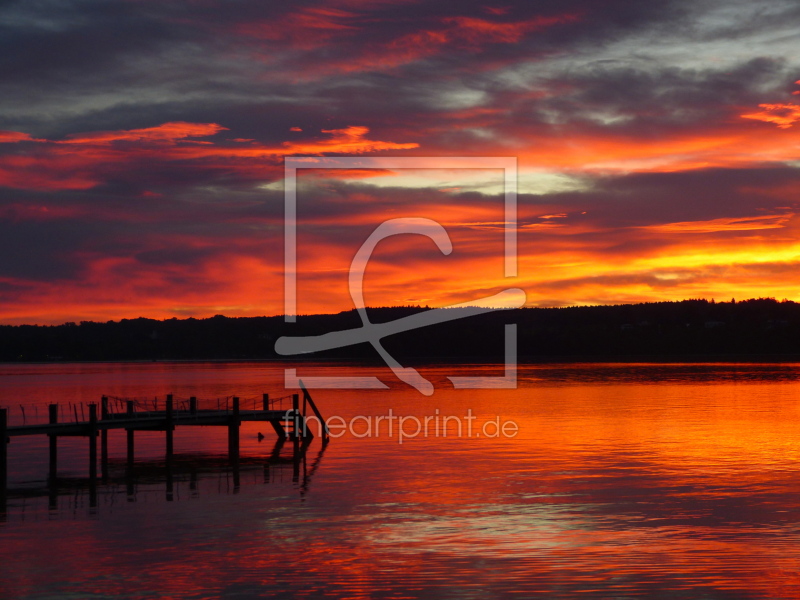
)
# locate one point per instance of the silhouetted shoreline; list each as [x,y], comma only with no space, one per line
[687,331]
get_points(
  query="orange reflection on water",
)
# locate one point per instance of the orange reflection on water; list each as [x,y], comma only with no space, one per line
[624,481]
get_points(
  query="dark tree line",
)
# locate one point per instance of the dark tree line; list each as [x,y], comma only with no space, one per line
[662,330]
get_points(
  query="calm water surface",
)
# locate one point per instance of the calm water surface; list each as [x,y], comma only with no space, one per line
[624,481]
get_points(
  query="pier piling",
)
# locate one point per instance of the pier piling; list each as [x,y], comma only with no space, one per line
[93,441]
[233,431]
[3,451]
[296,409]
[170,426]
[104,440]
[170,483]
[53,419]
[129,432]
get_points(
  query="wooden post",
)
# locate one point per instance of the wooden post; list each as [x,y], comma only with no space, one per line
[296,409]
[53,410]
[233,432]
[279,429]
[93,493]
[52,497]
[312,404]
[130,435]
[130,485]
[265,401]
[93,441]
[276,450]
[296,460]
[170,485]
[306,434]
[104,439]
[170,425]
[296,434]
[193,405]
[3,451]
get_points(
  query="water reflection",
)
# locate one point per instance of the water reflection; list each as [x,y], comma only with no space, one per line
[625,481]
[172,479]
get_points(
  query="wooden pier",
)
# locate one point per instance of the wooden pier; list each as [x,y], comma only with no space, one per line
[291,423]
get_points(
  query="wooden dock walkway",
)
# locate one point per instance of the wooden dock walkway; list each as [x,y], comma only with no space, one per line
[290,423]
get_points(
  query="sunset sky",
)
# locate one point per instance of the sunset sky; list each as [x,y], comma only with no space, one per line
[142,146]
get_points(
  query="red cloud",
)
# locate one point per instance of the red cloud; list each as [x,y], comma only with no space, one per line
[481,31]
[85,160]
[306,29]
[11,137]
[168,132]
[457,32]
[314,28]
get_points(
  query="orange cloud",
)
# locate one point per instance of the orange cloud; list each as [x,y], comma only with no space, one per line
[113,288]
[783,115]
[349,174]
[725,224]
[350,140]
[716,147]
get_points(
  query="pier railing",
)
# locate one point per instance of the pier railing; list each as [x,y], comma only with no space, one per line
[39,413]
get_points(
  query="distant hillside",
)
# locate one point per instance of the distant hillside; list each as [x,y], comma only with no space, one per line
[664,329]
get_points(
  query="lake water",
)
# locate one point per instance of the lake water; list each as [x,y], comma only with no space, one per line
[623,481]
